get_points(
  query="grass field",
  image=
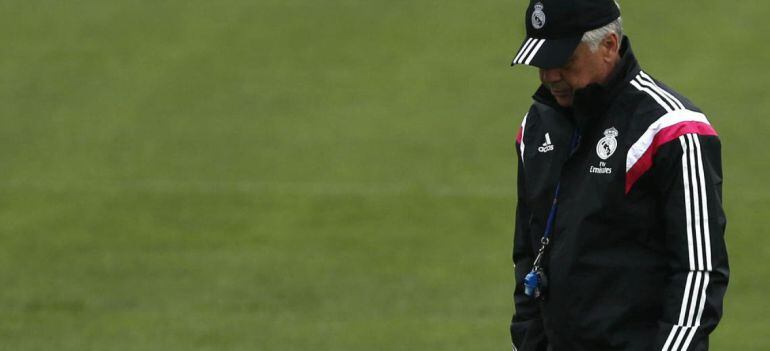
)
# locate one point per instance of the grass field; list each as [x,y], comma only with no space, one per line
[312,175]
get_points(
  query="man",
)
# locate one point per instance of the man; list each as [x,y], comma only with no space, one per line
[619,241]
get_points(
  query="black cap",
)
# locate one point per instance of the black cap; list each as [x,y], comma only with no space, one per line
[555,28]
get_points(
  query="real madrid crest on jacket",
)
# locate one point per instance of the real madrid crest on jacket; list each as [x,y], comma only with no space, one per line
[637,259]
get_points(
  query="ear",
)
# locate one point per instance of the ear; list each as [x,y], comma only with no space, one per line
[610,47]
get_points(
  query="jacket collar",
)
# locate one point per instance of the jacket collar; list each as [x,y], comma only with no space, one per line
[593,101]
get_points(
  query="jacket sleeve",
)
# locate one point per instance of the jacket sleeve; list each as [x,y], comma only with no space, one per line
[526,326]
[688,172]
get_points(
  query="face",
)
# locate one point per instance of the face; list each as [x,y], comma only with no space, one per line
[583,68]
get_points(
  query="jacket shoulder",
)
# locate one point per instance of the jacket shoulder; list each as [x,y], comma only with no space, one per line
[660,115]
[533,118]
[652,103]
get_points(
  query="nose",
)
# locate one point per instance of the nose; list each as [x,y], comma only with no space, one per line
[551,75]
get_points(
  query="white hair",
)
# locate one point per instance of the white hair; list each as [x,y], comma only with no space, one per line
[594,37]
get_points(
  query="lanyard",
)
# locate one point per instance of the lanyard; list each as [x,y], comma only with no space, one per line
[535,281]
[545,240]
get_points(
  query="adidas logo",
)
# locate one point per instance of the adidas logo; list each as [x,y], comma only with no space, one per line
[547,146]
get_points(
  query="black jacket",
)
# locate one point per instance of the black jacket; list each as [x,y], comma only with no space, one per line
[637,259]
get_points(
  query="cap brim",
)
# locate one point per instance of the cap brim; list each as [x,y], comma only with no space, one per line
[546,53]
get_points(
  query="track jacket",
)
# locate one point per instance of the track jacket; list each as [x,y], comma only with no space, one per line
[637,259]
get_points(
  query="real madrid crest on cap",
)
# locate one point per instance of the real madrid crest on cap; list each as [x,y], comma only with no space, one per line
[538,16]
[607,145]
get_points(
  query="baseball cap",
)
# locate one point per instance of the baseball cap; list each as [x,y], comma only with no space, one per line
[555,28]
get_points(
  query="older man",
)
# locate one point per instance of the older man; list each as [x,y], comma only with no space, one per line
[619,241]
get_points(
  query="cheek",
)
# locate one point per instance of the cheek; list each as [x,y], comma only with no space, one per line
[573,80]
[579,78]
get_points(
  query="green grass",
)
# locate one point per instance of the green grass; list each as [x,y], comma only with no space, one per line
[294,175]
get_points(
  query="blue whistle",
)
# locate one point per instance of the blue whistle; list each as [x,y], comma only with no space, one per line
[532,284]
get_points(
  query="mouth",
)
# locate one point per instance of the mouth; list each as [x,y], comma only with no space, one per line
[560,93]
